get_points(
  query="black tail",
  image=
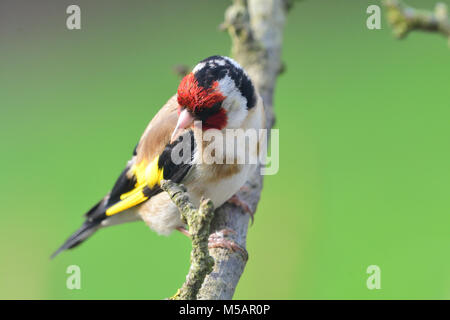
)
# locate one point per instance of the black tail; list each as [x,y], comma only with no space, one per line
[94,218]
[97,214]
[86,230]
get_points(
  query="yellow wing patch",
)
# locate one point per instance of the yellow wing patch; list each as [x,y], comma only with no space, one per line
[154,173]
[146,176]
[138,171]
[132,200]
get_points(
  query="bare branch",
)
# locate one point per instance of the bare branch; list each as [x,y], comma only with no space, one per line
[199,222]
[405,19]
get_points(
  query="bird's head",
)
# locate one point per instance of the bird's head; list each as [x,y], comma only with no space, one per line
[218,92]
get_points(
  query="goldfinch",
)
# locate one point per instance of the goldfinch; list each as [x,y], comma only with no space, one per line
[217,95]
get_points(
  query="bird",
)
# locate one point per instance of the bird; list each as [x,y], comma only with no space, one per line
[215,97]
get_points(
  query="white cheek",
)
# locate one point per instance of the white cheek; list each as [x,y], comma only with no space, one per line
[227,86]
[234,103]
[236,113]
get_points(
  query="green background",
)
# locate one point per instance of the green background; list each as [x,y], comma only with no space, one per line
[364,151]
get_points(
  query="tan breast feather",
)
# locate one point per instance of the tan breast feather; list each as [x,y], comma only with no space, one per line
[157,134]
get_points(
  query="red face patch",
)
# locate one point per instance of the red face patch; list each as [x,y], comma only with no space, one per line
[200,100]
[217,120]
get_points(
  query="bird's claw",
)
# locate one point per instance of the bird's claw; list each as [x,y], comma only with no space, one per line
[239,202]
[218,240]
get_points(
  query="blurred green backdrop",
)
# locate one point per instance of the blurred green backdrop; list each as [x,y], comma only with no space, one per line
[364,155]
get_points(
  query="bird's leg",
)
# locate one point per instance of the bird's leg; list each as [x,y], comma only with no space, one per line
[239,202]
[184,231]
[219,239]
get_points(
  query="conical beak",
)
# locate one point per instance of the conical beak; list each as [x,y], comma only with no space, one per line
[185,120]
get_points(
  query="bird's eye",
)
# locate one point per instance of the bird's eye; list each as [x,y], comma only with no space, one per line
[204,113]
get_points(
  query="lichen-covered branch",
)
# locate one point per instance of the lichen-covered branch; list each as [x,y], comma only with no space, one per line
[405,19]
[256,30]
[198,221]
